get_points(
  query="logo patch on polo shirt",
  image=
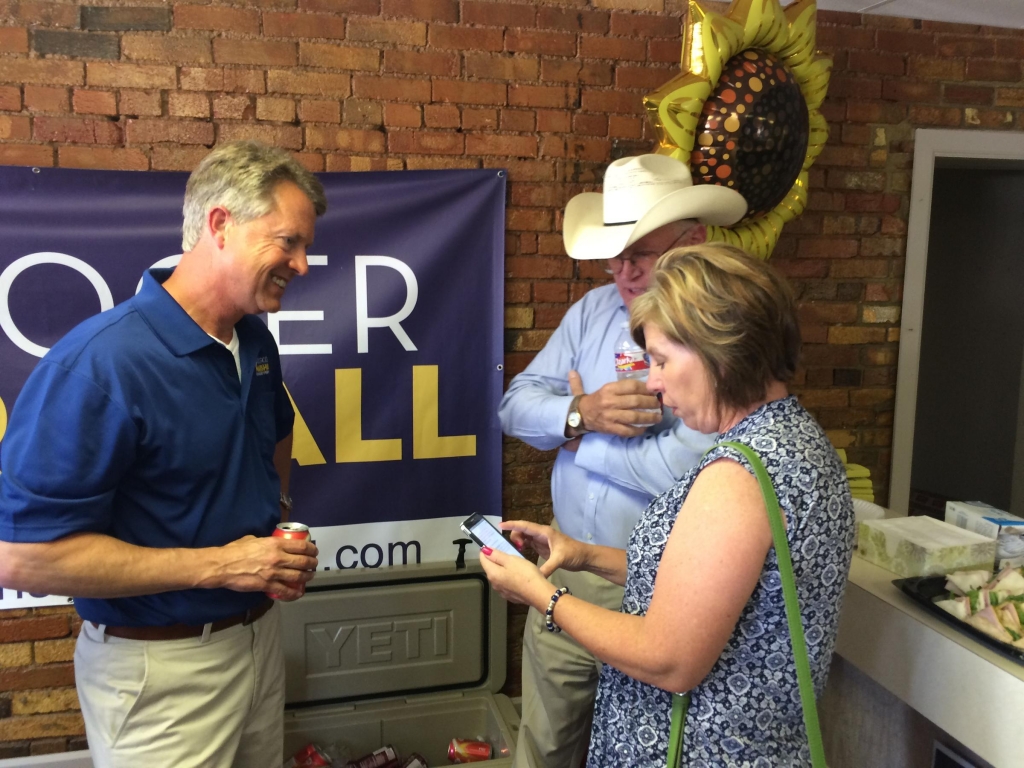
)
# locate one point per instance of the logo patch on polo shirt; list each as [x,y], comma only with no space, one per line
[262,366]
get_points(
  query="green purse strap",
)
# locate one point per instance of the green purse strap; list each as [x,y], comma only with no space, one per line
[681,702]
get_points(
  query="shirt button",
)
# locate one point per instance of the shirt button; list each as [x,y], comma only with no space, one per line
[590,537]
[591,497]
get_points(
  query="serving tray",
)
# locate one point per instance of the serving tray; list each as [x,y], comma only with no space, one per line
[925,590]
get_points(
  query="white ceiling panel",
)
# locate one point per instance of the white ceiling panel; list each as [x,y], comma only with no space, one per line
[992,13]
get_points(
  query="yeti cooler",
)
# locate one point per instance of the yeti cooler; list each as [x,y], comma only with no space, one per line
[410,656]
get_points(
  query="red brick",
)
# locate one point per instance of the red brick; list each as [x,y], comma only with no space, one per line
[25,154]
[906,42]
[75,130]
[625,127]
[275,110]
[462,39]
[188,104]
[316,111]
[551,292]
[646,78]
[615,48]
[126,19]
[573,20]
[922,115]
[256,52]
[428,10]
[362,112]
[535,195]
[528,219]
[540,42]
[665,51]
[429,162]
[843,86]
[877,63]
[479,119]
[910,90]
[103,75]
[973,46]
[1010,48]
[10,98]
[998,71]
[41,71]
[318,137]
[553,146]
[365,7]
[441,116]
[229,106]
[332,56]
[217,18]
[552,96]
[402,115]
[40,98]
[498,14]
[611,101]
[313,83]
[34,628]
[1010,97]
[15,128]
[462,92]
[501,145]
[826,248]
[832,38]
[589,150]
[391,88]
[42,14]
[112,159]
[518,120]
[170,158]
[41,727]
[553,121]
[284,136]
[426,142]
[859,268]
[874,112]
[315,25]
[967,94]
[501,67]
[950,27]
[13,40]
[575,71]
[538,267]
[844,156]
[139,104]
[935,69]
[637,25]
[590,125]
[387,31]
[174,131]
[422,63]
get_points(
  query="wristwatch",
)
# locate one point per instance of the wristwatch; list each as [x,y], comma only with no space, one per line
[575,419]
[286,502]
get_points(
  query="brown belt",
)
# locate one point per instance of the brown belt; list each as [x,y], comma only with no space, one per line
[182,631]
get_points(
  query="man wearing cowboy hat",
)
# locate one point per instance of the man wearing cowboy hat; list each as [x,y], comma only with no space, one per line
[609,468]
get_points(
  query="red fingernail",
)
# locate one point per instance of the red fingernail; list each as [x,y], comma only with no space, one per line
[486,550]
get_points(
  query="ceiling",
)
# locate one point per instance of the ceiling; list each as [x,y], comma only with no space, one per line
[993,13]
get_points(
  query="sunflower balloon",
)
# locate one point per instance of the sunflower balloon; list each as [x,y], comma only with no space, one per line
[743,113]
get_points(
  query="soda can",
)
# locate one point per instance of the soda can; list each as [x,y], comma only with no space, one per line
[289,531]
[468,751]
[415,760]
[310,756]
[377,759]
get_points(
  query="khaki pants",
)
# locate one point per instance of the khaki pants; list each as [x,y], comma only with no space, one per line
[560,682]
[184,703]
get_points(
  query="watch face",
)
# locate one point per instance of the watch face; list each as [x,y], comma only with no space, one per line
[574,419]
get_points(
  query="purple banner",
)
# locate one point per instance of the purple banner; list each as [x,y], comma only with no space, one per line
[391,346]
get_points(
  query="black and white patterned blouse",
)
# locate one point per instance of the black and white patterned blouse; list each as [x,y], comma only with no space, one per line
[746,712]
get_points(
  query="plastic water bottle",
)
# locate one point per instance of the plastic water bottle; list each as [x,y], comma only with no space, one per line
[631,362]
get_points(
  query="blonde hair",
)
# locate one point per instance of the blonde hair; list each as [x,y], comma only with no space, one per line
[732,310]
[241,176]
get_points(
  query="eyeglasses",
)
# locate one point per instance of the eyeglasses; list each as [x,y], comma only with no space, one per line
[643,260]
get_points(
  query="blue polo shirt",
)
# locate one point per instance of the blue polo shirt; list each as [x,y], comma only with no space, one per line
[135,425]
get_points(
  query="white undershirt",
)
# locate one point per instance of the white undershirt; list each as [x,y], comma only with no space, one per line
[231,347]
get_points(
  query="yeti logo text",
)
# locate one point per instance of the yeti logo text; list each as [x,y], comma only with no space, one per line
[350,645]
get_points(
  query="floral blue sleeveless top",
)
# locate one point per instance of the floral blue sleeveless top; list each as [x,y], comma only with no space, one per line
[746,712]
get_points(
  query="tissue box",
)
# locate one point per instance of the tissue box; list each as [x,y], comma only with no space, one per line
[1006,529]
[923,546]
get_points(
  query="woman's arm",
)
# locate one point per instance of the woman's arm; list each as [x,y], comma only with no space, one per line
[709,569]
[565,552]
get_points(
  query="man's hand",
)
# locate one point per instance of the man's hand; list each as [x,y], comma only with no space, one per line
[267,564]
[617,407]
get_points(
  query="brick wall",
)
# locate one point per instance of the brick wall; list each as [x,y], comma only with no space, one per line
[552,92]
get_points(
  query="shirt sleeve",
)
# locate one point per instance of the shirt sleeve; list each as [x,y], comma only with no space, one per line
[67,445]
[284,414]
[538,399]
[650,463]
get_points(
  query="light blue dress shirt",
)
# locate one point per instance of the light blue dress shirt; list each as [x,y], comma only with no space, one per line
[599,492]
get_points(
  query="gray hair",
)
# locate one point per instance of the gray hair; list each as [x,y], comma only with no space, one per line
[241,177]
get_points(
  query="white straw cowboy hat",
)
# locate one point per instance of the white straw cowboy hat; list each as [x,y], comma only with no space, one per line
[641,194]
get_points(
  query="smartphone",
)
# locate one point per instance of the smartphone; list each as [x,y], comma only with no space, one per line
[485,534]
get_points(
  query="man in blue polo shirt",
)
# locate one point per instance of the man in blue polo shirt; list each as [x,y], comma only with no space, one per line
[145,466]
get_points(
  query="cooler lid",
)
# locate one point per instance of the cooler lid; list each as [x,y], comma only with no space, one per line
[396,631]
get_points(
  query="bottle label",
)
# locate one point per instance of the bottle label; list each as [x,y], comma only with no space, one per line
[627,362]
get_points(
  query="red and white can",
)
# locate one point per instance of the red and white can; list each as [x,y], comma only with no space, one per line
[379,758]
[290,531]
[468,751]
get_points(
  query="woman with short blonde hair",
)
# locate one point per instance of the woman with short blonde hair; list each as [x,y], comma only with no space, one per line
[703,610]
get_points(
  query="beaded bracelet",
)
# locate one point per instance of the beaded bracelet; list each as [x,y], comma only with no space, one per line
[549,621]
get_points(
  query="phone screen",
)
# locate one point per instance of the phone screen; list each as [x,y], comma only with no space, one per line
[486,535]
